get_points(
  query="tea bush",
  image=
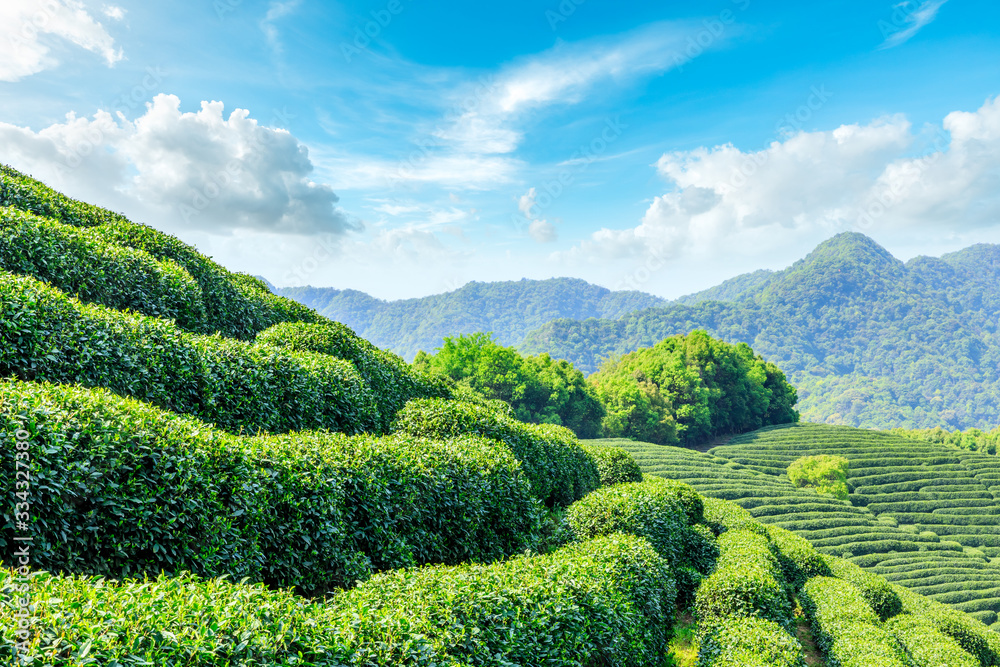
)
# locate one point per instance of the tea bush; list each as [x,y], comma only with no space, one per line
[748,642]
[558,468]
[122,488]
[239,386]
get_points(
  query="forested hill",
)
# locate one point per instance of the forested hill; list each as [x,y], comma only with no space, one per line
[867,340]
[509,309]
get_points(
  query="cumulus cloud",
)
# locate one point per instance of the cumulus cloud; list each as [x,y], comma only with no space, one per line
[26,26]
[908,18]
[857,177]
[201,169]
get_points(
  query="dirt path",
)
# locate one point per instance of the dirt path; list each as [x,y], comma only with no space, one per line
[814,658]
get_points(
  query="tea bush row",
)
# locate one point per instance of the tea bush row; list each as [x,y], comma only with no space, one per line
[120,488]
[235,305]
[607,601]
[559,470]
[46,335]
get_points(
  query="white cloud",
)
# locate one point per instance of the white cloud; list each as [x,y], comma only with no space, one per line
[542,231]
[485,118]
[275,11]
[526,204]
[26,24]
[854,177]
[113,12]
[908,18]
[197,170]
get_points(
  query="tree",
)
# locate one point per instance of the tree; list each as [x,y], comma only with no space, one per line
[539,389]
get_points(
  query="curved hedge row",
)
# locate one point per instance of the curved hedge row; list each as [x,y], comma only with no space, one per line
[846,627]
[927,646]
[748,642]
[121,488]
[235,305]
[799,560]
[559,469]
[746,582]
[972,636]
[876,591]
[391,379]
[81,264]
[46,335]
[608,601]
[614,465]
[660,512]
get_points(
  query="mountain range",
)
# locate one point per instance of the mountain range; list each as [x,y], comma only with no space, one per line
[867,339]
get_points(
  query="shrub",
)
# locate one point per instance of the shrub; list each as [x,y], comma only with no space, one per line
[80,263]
[614,465]
[609,601]
[236,385]
[646,509]
[926,645]
[746,582]
[722,516]
[846,627]
[874,589]
[798,558]
[557,467]
[390,378]
[236,306]
[129,489]
[824,472]
[606,601]
[973,636]
[748,642]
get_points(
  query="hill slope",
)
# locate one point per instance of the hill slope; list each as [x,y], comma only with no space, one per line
[508,309]
[868,340]
[924,516]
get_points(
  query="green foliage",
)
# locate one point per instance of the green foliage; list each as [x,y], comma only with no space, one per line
[614,465]
[539,390]
[824,472]
[723,516]
[927,646]
[974,637]
[608,601]
[748,642]
[559,470]
[846,628]
[651,510]
[876,591]
[121,488]
[688,388]
[867,340]
[235,305]
[798,558]
[973,439]
[80,263]
[390,379]
[747,582]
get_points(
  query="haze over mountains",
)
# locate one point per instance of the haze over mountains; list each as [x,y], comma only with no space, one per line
[868,340]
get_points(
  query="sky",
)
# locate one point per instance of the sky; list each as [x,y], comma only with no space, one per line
[404,148]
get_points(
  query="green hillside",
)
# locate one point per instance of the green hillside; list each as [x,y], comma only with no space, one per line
[509,309]
[867,340]
[923,515]
[203,474]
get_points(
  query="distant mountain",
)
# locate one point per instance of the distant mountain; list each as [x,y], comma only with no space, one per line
[868,340]
[508,309]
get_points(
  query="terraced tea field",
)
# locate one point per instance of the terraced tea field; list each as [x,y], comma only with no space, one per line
[923,515]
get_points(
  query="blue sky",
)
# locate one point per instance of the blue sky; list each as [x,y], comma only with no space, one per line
[404,148]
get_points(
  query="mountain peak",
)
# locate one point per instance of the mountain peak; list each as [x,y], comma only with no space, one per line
[853,246]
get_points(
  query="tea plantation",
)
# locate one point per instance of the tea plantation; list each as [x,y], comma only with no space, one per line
[199,473]
[923,515]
